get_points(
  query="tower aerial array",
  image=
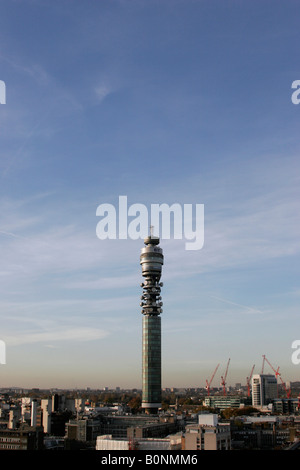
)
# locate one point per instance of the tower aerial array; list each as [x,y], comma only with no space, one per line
[151,260]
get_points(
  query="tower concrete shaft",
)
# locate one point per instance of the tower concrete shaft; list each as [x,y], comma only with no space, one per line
[151,260]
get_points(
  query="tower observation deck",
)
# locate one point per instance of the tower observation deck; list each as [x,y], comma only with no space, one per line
[151,260]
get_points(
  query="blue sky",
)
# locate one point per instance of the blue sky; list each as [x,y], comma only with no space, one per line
[162,101]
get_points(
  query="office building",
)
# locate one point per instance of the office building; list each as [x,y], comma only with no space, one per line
[264,389]
[46,407]
[208,434]
[108,443]
[23,438]
[220,402]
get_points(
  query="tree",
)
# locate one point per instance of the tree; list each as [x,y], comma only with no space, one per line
[135,403]
[232,412]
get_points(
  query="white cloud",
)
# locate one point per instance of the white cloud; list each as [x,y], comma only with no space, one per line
[102,91]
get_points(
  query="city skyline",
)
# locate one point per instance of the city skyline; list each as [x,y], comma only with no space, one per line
[169,102]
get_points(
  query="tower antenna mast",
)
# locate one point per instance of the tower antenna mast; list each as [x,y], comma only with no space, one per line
[151,260]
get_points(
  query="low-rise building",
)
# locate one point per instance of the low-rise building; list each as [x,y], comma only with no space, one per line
[23,438]
[221,402]
[208,434]
[261,432]
[107,442]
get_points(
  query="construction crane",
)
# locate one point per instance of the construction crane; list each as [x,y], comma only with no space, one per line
[263,364]
[223,379]
[277,374]
[288,391]
[133,444]
[248,379]
[275,371]
[211,379]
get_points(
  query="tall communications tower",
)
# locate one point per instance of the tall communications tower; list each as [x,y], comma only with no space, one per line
[151,260]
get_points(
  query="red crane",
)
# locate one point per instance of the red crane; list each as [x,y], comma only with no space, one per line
[132,444]
[263,364]
[275,371]
[277,374]
[288,391]
[223,379]
[248,379]
[208,383]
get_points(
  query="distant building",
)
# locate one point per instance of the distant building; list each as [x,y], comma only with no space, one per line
[285,405]
[208,434]
[34,413]
[123,427]
[26,408]
[107,442]
[83,429]
[221,402]
[261,433]
[23,438]
[79,404]
[264,389]
[46,407]
[14,417]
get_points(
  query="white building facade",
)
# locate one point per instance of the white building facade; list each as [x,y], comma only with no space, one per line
[264,389]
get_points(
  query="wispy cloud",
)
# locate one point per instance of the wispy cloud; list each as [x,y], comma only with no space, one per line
[102,91]
[243,307]
[71,334]
[261,227]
